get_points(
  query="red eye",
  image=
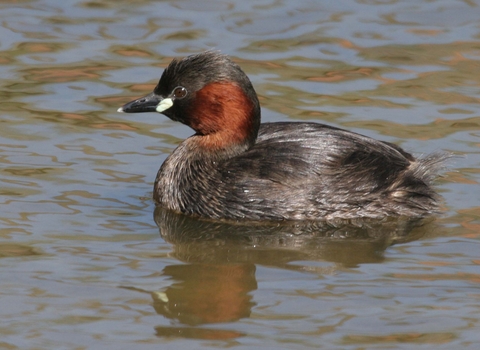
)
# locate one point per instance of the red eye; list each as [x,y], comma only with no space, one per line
[179,92]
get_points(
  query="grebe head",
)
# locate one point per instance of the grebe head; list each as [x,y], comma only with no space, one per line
[209,93]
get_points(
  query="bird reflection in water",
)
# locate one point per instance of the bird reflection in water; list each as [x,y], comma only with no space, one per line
[216,280]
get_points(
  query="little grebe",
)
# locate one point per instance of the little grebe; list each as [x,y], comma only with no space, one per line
[233,167]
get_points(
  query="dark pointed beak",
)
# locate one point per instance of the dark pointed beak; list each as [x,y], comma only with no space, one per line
[143,104]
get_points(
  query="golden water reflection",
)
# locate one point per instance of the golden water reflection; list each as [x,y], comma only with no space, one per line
[216,281]
[207,293]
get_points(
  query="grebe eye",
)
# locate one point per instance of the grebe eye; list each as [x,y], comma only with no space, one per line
[179,92]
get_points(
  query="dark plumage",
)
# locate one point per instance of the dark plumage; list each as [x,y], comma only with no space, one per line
[235,168]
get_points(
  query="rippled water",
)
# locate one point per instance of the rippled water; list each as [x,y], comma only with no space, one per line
[83,262]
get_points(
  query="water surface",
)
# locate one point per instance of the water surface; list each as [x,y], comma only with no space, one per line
[84,263]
